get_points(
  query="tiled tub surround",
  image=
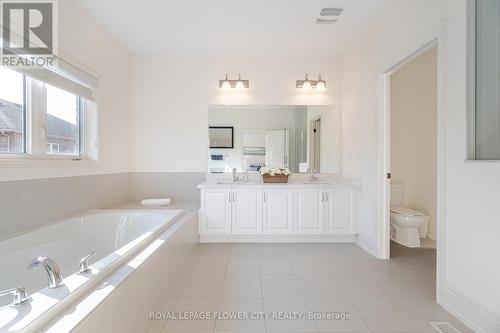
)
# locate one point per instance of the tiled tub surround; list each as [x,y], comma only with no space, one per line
[115,235]
[121,302]
[180,186]
[29,204]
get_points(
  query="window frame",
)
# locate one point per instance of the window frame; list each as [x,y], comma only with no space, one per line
[35,128]
[470,135]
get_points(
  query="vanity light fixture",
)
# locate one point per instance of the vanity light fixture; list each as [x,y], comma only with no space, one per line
[236,84]
[317,85]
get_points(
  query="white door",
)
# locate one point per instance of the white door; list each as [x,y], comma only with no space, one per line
[275,149]
[278,211]
[247,212]
[309,211]
[340,212]
[215,212]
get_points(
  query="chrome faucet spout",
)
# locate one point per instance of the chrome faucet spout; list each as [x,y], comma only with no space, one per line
[54,276]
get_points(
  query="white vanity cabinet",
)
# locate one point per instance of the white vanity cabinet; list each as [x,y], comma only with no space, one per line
[340,211]
[246,211]
[277,211]
[309,211]
[284,212]
[215,211]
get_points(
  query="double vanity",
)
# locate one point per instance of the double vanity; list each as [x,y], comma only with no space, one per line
[301,139]
[299,211]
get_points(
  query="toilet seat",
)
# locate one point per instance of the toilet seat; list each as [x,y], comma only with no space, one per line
[406,211]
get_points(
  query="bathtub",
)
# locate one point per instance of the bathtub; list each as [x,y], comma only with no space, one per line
[115,236]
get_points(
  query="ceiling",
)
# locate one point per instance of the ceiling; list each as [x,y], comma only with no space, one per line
[236,27]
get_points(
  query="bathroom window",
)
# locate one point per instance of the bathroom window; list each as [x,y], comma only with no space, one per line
[63,112]
[43,116]
[484,80]
[12,112]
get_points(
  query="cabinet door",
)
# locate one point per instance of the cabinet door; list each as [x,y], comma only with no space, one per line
[309,211]
[215,212]
[247,212]
[278,212]
[341,211]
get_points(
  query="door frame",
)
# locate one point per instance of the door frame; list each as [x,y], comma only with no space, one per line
[436,37]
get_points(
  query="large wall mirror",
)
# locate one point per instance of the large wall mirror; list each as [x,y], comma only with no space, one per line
[300,138]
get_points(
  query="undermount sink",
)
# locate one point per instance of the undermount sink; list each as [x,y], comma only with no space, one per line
[316,182]
[234,182]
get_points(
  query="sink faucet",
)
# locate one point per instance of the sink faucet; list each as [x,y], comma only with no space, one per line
[235,176]
[54,275]
[312,174]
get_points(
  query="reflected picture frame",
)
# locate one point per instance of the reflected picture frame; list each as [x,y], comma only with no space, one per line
[221,137]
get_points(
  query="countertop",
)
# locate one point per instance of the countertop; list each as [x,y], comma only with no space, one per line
[338,182]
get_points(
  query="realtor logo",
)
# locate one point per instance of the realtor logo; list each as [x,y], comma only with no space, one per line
[29,36]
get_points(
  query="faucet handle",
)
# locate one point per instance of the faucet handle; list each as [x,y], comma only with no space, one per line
[20,295]
[84,263]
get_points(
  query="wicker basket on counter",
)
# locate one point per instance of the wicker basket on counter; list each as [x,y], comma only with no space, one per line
[275,179]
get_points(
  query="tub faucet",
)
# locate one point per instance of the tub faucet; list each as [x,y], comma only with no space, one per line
[54,275]
[20,295]
[84,263]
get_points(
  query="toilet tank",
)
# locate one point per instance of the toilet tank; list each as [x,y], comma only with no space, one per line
[396,194]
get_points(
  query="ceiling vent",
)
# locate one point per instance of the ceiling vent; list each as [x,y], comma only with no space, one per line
[326,21]
[331,11]
[329,15]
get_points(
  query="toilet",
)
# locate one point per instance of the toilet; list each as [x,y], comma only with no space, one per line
[407,225]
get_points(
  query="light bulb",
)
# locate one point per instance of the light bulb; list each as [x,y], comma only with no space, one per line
[307,84]
[320,86]
[226,84]
[239,83]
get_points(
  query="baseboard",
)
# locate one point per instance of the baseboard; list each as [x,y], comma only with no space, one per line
[367,244]
[278,238]
[477,318]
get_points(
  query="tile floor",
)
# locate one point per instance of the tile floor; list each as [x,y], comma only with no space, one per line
[332,279]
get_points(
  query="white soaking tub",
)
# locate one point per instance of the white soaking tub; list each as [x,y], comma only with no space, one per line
[115,236]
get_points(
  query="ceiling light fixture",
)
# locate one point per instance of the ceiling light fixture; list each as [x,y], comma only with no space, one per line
[318,85]
[238,84]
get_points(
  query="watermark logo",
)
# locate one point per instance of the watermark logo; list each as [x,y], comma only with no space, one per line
[29,33]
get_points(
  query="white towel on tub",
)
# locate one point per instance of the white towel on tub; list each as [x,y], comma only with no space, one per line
[159,202]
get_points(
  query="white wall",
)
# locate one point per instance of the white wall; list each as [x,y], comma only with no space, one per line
[171,97]
[413,135]
[85,44]
[472,188]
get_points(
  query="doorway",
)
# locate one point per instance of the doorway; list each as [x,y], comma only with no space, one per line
[315,145]
[434,39]
[413,153]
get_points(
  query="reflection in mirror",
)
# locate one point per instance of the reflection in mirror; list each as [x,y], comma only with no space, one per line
[301,138]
